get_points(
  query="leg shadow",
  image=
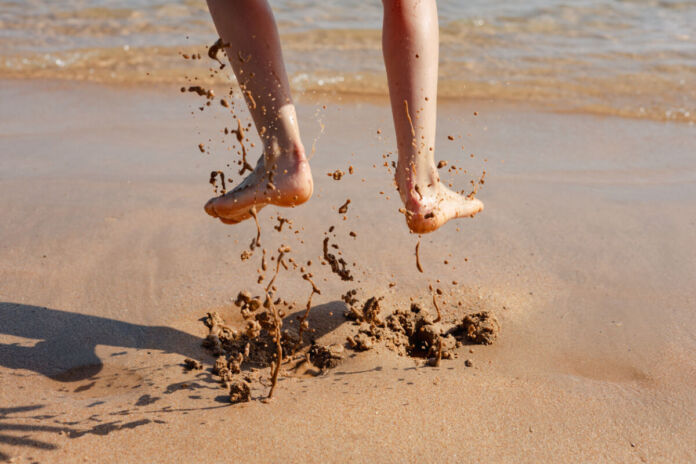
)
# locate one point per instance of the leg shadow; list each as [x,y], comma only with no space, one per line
[67,341]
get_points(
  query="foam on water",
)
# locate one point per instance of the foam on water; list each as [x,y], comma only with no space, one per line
[634,58]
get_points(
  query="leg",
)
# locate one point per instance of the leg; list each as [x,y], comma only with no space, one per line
[410,45]
[282,176]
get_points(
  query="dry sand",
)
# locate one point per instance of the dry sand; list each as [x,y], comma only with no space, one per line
[586,252]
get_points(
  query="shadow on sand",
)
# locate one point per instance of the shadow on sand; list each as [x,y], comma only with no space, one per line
[67,341]
[62,347]
[66,347]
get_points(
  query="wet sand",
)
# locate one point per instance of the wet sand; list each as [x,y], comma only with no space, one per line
[586,252]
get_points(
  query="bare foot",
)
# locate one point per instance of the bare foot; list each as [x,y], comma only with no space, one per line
[288,182]
[429,207]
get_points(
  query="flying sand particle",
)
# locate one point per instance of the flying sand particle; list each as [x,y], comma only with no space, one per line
[435,362]
[338,265]
[257,241]
[343,209]
[252,102]
[337,174]
[278,324]
[239,132]
[437,308]
[418,264]
[303,320]
[198,89]
[281,221]
[213,175]
[215,49]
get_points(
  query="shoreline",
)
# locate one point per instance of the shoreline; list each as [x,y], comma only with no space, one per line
[377,97]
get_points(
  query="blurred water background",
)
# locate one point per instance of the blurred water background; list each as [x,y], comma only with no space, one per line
[633,58]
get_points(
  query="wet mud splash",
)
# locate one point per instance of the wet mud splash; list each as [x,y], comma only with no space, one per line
[253,355]
[246,357]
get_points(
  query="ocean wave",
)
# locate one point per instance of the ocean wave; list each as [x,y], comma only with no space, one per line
[632,58]
[665,93]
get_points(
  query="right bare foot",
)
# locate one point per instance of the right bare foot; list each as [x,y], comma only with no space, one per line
[288,182]
[428,204]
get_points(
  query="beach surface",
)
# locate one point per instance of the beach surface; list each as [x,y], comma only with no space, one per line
[586,253]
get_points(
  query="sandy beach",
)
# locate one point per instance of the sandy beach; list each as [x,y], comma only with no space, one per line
[586,253]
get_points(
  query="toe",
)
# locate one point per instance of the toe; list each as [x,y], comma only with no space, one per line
[210,207]
[472,207]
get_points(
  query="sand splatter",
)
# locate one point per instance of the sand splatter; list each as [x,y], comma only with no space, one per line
[343,209]
[199,90]
[281,222]
[257,241]
[338,265]
[215,49]
[239,132]
[213,175]
[278,323]
[304,325]
[418,263]
[250,97]
[337,174]
[437,308]
[415,333]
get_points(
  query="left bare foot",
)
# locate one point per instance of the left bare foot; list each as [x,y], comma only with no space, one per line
[287,183]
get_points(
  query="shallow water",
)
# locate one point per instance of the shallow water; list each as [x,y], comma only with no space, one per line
[634,58]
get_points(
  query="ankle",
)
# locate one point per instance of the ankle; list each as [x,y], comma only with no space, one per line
[414,186]
[293,152]
[405,184]
[297,152]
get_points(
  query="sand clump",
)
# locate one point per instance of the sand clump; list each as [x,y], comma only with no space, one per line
[337,174]
[242,353]
[416,333]
[239,392]
[192,364]
[481,328]
[326,357]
